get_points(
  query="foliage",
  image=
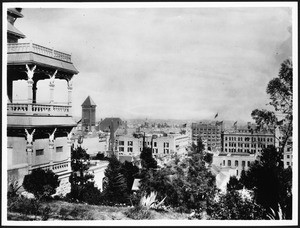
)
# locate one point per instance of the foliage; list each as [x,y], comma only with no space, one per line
[138,213]
[273,215]
[129,171]
[82,184]
[268,176]
[41,183]
[80,164]
[208,157]
[148,161]
[280,90]
[100,156]
[13,188]
[231,206]
[28,207]
[234,184]
[114,185]
[188,185]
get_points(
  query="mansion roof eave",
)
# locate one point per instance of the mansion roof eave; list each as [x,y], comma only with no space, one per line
[13,30]
[33,58]
[39,121]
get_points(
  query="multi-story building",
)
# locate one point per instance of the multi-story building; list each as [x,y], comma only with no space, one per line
[288,154]
[160,144]
[247,140]
[38,134]
[210,132]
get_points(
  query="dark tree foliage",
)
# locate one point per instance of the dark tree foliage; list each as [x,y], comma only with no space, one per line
[82,184]
[271,183]
[231,206]
[188,185]
[208,157]
[80,164]
[100,156]
[280,90]
[41,183]
[114,184]
[148,162]
[234,184]
[129,171]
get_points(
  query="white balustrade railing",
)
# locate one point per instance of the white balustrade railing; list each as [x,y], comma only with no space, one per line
[38,109]
[30,47]
[55,167]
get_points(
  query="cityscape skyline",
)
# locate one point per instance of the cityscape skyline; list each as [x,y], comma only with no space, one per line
[175,63]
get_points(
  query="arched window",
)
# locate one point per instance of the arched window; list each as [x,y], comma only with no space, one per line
[236,163]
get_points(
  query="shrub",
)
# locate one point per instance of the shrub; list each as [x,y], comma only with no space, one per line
[138,213]
[24,205]
[41,183]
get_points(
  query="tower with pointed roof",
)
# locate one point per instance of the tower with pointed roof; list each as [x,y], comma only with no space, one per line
[88,114]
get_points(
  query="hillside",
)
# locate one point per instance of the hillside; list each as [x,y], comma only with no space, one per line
[61,210]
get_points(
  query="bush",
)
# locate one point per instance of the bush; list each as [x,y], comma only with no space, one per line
[24,205]
[41,183]
[138,213]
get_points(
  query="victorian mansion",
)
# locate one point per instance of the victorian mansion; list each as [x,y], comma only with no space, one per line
[38,134]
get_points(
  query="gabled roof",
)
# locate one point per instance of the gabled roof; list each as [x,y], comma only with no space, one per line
[13,30]
[88,102]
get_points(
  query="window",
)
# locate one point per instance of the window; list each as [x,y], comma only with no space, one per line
[224,162]
[236,163]
[166,144]
[288,156]
[121,149]
[155,144]
[166,151]
[130,143]
[229,163]
[248,163]
[287,163]
[39,152]
[129,149]
[243,163]
[59,149]
[121,143]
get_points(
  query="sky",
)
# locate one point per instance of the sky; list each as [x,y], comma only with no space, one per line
[167,63]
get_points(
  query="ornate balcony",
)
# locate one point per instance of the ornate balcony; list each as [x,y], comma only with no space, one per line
[38,109]
[38,49]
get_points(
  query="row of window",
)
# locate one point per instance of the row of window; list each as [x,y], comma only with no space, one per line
[130,143]
[40,152]
[262,139]
[246,145]
[236,163]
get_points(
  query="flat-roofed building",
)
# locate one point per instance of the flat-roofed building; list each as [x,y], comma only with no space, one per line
[246,140]
[210,132]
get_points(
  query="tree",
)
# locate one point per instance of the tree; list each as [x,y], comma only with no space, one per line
[82,183]
[232,206]
[234,184]
[280,90]
[129,171]
[271,183]
[41,183]
[114,184]
[148,162]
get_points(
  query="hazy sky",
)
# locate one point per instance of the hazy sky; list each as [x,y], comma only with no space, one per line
[183,63]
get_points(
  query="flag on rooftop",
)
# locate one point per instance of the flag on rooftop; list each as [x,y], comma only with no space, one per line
[235,123]
[216,115]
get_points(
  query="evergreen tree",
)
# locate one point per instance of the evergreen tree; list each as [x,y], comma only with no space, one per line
[114,185]
[271,183]
[129,171]
[41,183]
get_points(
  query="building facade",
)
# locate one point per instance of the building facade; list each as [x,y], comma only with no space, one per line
[160,144]
[210,132]
[247,141]
[38,134]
